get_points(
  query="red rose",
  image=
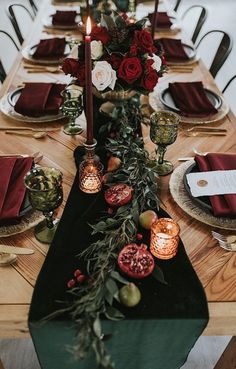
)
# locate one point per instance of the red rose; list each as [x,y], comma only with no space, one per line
[130,69]
[148,65]
[100,34]
[144,42]
[115,61]
[149,80]
[70,66]
[81,74]
[133,50]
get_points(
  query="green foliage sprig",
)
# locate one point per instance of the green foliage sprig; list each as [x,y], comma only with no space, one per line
[95,298]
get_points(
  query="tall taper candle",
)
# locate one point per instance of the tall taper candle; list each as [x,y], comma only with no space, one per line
[154,18]
[88,83]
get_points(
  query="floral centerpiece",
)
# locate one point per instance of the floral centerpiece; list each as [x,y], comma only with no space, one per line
[123,54]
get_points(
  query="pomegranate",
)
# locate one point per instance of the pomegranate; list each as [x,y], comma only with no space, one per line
[147,218]
[129,295]
[118,195]
[136,261]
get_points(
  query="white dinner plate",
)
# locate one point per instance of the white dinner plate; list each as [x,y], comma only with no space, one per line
[29,51]
[8,102]
[47,22]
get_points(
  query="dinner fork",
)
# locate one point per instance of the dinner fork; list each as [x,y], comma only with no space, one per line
[203,133]
[228,246]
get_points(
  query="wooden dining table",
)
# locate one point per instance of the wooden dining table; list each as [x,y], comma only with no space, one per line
[214,266]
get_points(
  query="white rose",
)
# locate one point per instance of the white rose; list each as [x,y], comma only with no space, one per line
[103,76]
[74,52]
[157,62]
[96,49]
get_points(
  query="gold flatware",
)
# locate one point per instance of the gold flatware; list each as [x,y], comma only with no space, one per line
[7,259]
[42,70]
[15,250]
[30,129]
[201,128]
[36,135]
[203,133]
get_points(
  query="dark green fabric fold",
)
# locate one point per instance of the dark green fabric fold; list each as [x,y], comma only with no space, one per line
[156,334]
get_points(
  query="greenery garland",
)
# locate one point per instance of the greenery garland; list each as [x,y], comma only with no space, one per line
[94,297]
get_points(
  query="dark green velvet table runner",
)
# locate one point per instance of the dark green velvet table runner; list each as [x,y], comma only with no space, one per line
[156,334]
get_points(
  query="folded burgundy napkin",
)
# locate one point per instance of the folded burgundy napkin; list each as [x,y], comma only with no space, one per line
[64,17]
[50,48]
[12,188]
[39,99]
[191,99]
[222,205]
[173,49]
[162,21]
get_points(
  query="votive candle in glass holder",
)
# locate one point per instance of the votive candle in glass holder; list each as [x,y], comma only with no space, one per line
[164,238]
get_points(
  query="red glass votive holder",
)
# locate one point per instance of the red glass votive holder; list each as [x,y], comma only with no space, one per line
[164,238]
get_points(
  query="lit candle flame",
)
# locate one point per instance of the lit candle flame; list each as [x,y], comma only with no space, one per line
[88,26]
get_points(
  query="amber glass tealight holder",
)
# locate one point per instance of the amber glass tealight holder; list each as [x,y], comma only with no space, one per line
[164,238]
[90,170]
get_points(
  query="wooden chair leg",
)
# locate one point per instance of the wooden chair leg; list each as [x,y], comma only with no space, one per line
[1,365]
[228,358]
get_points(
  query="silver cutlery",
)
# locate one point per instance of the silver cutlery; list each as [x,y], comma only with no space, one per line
[5,249]
[227,239]
[228,246]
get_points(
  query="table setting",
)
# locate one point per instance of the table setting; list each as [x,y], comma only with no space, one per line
[84,281]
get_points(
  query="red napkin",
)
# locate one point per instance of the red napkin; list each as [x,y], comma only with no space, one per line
[64,17]
[38,99]
[173,49]
[12,188]
[191,99]
[162,21]
[222,205]
[50,48]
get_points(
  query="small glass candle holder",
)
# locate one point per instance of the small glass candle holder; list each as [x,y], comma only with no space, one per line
[90,171]
[164,238]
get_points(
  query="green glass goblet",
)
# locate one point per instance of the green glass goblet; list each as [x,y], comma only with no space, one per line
[72,108]
[45,193]
[163,132]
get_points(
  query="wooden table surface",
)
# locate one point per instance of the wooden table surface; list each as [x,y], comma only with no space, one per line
[214,266]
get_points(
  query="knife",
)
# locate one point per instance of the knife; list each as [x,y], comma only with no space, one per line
[15,250]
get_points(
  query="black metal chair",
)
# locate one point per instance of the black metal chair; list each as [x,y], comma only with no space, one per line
[11,12]
[229,92]
[222,52]
[229,83]
[177,4]
[33,6]
[201,16]
[5,35]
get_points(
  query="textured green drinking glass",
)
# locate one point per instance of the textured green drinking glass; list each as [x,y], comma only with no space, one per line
[45,193]
[72,108]
[163,132]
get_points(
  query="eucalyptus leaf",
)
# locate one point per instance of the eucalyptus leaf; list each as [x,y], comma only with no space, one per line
[158,275]
[97,328]
[115,275]
[111,286]
[113,314]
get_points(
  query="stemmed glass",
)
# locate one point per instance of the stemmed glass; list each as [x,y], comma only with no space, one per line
[163,132]
[72,108]
[44,185]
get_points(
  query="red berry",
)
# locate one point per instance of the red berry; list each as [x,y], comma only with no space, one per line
[81,278]
[139,236]
[77,272]
[70,283]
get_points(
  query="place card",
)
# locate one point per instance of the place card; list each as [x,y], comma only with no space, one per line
[218,182]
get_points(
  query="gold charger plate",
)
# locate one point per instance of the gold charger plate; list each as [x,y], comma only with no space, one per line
[181,197]
[155,103]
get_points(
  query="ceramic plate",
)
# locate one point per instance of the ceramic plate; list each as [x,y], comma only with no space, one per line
[168,102]
[8,102]
[47,22]
[29,51]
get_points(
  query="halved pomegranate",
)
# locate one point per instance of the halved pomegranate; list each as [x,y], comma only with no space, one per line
[136,261]
[118,195]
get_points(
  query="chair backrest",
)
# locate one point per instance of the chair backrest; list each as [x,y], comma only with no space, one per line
[14,13]
[33,6]
[7,44]
[2,72]
[197,15]
[223,49]
[177,4]
[229,92]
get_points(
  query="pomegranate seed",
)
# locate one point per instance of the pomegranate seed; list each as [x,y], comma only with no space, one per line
[81,278]
[77,272]
[139,236]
